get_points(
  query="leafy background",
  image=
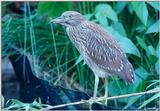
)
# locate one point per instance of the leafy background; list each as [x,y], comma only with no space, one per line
[135,25]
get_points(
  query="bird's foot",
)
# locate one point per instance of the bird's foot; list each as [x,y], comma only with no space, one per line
[105,101]
[91,101]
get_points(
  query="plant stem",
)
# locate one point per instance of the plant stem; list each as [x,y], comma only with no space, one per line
[56,54]
[103,98]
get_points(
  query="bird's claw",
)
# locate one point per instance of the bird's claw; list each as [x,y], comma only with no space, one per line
[91,101]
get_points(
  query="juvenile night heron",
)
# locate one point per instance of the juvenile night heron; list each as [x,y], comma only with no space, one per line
[98,48]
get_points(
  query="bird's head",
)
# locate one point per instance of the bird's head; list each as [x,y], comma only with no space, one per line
[69,18]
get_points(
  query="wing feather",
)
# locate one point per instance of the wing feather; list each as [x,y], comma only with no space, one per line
[105,52]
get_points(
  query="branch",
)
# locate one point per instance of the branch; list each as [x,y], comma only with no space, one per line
[103,98]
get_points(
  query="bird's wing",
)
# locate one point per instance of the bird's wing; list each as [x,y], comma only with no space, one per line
[104,51]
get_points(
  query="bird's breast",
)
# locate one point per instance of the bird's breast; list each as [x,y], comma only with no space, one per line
[77,37]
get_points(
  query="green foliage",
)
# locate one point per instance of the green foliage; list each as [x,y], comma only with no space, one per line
[107,11]
[154,28]
[119,28]
[134,25]
[53,8]
[14,104]
[141,11]
[155,5]
[149,100]
[120,6]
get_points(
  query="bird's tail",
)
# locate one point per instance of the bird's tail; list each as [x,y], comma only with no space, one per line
[128,73]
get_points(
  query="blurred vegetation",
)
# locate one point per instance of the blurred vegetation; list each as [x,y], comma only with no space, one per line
[135,25]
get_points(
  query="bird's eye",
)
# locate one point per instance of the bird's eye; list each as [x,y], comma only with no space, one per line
[70,16]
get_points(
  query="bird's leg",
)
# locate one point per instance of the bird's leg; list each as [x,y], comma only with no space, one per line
[95,90]
[95,86]
[106,90]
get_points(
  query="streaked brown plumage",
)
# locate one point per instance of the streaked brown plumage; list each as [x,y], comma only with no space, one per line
[98,48]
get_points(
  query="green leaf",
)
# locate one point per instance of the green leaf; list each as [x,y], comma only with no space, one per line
[155,5]
[120,6]
[119,28]
[141,11]
[117,86]
[154,28]
[88,16]
[129,47]
[151,50]
[130,8]
[157,65]
[153,59]
[141,74]
[152,54]
[53,8]
[80,58]
[142,43]
[131,101]
[107,11]
[103,21]
[158,50]
[149,100]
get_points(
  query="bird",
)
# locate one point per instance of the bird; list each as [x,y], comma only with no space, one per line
[100,51]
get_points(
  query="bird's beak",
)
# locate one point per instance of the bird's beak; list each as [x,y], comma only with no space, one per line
[57,20]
